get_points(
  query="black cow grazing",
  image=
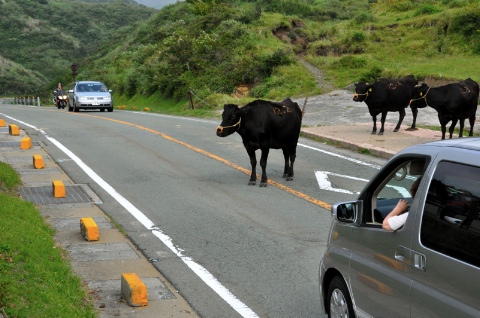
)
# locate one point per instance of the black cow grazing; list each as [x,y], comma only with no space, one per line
[453,102]
[385,96]
[264,125]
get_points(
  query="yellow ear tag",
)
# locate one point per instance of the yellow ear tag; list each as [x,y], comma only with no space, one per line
[421,93]
[370,90]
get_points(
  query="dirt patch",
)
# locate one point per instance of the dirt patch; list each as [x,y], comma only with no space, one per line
[436,82]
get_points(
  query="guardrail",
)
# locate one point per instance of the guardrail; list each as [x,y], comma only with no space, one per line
[21,100]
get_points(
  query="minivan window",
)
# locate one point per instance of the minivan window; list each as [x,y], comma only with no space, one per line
[451,218]
[396,186]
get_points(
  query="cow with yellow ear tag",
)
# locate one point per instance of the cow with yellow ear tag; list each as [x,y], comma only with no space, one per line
[389,95]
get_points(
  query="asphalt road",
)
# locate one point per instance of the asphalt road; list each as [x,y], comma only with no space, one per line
[238,250]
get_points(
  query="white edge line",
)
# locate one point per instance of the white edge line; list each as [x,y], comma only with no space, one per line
[198,269]
[340,156]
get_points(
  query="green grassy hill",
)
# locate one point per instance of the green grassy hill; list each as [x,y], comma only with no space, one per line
[42,38]
[214,47]
[223,48]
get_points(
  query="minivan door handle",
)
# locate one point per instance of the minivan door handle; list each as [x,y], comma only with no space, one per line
[419,261]
[400,252]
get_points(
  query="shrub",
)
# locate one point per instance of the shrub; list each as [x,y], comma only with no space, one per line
[427,9]
[364,17]
[372,75]
[358,37]
[350,61]
[466,24]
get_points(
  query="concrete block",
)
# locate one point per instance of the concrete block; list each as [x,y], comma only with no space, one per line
[59,189]
[13,130]
[38,162]
[26,143]
[89,229]
[2,123]
[134,290]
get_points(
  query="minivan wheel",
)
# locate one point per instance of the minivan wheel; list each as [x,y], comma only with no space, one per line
[338,299]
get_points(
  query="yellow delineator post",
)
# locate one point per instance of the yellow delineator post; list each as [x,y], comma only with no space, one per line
[38,162]
[2,123]
[134,290]
[13,130]
[26,143]
[58,189]
[89,229]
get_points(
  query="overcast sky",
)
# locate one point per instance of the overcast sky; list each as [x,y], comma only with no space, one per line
[156,3]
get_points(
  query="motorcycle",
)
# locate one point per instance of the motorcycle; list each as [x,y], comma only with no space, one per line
[61,99]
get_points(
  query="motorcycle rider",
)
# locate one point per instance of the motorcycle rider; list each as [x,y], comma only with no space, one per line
[58,92]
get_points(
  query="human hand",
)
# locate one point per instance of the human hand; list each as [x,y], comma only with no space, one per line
[402,205]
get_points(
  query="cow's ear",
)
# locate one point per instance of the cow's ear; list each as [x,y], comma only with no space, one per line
[235,107]
[242,111]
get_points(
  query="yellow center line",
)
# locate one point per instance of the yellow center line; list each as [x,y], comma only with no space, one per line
[283,187]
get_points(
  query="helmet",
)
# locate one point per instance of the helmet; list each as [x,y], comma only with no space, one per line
[59,84]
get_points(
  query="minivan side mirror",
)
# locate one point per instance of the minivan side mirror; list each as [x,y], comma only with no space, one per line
[348,212]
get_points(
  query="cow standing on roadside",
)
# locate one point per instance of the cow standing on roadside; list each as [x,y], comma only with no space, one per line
[264,125]
[392,95]
[453,102]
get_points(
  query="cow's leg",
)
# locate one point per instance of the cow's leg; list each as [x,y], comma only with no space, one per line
[289,155]
[382,120]
[452,127]
[292,160]
[472,123]
[263,164]
[462,124]
[414,114]
[286,169]
[253,162]
[374,129]
[443,124]
[400,119]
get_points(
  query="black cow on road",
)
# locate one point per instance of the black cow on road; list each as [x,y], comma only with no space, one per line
[385,96]
[453,102]
[264,125]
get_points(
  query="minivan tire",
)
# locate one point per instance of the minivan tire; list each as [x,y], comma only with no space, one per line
[338,299]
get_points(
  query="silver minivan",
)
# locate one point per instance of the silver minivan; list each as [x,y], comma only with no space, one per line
[430,267]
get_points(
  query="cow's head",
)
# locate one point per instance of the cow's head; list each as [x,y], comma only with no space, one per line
[419,96]
[231,119]
[362,90]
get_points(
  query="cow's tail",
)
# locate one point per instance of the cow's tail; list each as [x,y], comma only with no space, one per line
[303,108]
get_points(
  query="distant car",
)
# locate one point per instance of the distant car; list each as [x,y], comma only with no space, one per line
[428,268]
[90,95]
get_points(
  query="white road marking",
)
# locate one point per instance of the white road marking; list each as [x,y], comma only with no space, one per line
[325,184]
[363,163]
[198,269]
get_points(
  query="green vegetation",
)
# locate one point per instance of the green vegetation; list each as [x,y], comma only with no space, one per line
[42,38]
[437,39]
[213,47]
[35,278]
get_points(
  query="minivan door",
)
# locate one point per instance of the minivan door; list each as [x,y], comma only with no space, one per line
[446,249]
[380,273]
